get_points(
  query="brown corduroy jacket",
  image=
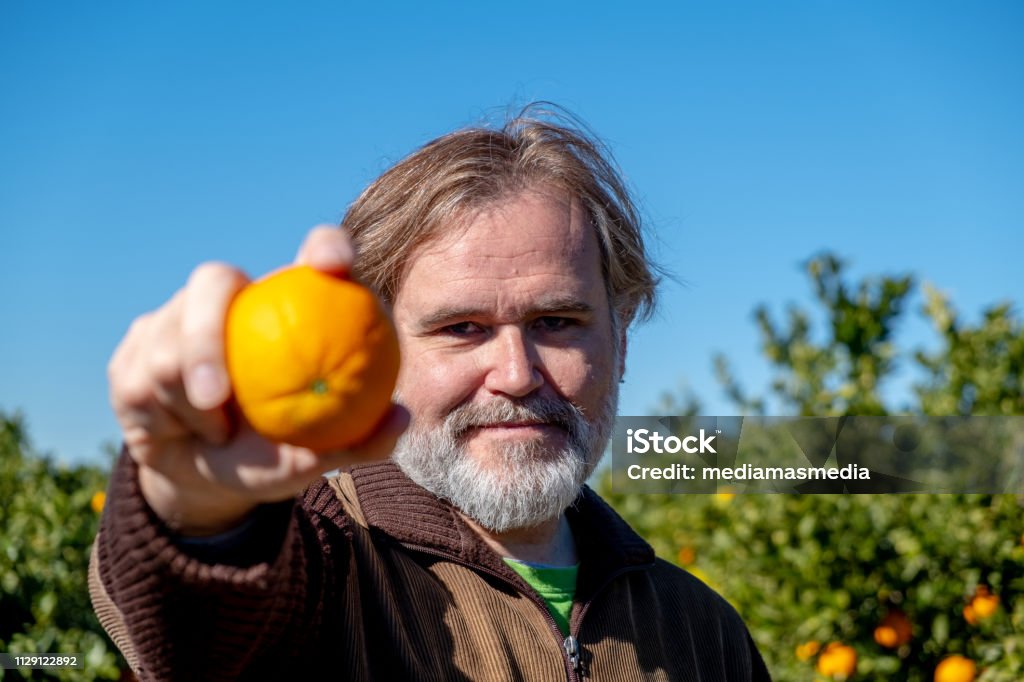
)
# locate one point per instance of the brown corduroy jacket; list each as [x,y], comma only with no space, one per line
[370,577]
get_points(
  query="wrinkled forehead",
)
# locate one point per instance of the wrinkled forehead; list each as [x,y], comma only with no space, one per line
[539,227]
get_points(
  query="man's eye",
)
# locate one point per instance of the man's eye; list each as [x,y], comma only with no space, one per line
[551,323]
[461,329]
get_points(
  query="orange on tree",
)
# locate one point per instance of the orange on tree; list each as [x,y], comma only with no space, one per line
[807,650]
[724,496]
[984,603]
[894,631]
[955,668]
[313,358]
[837,660]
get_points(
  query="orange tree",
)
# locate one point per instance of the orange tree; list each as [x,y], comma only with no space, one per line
[48,519]
[896,583]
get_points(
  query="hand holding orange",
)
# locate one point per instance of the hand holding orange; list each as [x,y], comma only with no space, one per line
[312,358]
[309,357]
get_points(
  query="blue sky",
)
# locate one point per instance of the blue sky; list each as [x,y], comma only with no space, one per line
[139,141]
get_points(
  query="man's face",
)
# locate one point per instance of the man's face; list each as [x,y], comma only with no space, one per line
[509,361]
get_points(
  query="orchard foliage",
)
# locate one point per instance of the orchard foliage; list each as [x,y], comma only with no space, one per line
[819,569]
[898,583]
[48,519]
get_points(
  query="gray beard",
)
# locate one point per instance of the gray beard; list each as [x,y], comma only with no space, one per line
[521,484]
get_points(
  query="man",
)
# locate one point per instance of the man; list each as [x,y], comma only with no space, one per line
[513,264]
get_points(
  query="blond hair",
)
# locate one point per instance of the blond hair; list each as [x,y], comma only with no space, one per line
[469,169]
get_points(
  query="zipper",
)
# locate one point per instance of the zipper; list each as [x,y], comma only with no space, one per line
[572,651]
[571,657]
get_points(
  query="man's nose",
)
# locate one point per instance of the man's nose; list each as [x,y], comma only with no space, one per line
[514,366]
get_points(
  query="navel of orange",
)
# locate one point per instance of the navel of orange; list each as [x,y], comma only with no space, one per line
[312,357]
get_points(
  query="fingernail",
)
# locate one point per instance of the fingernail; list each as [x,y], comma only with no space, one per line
[342,251]
[206,384]
[333,259]
[339,261]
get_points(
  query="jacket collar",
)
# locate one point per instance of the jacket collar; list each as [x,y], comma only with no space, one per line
[397,507]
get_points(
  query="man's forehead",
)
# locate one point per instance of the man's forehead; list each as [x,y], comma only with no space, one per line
[511,258]
[545,220]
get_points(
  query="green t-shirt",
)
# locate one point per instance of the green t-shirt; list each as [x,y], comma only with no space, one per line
[555,584]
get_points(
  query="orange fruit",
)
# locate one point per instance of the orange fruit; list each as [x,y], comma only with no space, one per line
[984,603]
[98,500]
[894,631]
[724,496]
[807,649]
[837,660]
[955,668]
[686,555]
[313,358]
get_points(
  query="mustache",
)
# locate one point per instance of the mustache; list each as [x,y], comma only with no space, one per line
[531,409]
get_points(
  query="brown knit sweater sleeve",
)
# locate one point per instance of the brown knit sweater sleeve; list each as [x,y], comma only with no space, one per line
[177,613]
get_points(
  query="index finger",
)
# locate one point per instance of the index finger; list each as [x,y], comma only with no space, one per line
[209,292]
